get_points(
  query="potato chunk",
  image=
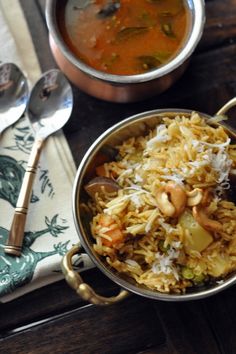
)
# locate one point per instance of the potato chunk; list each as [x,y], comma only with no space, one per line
[196,238]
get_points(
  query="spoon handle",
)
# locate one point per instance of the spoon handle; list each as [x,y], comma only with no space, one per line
[16,233]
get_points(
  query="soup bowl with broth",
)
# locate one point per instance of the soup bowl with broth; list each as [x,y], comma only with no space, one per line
[119,52]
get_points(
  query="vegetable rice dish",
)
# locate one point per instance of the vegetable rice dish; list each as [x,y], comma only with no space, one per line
[169,223]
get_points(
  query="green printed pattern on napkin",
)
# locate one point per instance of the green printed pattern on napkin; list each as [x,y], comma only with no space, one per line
[17,271]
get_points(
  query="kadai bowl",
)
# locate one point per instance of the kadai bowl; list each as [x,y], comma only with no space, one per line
[119,52]
[154,206]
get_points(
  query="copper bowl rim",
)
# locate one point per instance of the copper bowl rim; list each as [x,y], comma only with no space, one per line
[197,11]
[191,294]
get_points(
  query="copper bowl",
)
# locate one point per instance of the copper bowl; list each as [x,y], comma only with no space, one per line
[134,126]
[123,88]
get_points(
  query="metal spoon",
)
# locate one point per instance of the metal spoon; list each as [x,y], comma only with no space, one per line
[49,108]
[14,94]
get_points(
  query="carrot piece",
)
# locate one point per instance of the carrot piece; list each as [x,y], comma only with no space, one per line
[105,220]
[116,236]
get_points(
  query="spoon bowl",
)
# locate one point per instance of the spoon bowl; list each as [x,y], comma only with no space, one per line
[50,103]
[14,94]
[50,106]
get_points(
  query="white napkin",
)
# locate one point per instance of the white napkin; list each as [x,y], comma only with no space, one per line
[50,230]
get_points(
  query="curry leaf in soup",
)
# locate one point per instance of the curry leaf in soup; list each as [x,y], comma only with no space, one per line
[109,9]
[129,32]
[163,56]
[149,62]
[168,30]
[166,21]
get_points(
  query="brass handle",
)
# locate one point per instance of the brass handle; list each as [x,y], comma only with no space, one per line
[227,106]
[84,290]
[16,234]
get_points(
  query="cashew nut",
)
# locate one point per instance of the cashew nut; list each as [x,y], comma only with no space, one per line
[171,199]
[194,197]
[164,204]
[202,218]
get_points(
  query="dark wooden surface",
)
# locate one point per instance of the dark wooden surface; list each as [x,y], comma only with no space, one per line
[53,319]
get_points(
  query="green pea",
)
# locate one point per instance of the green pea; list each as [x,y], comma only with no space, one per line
[187,273]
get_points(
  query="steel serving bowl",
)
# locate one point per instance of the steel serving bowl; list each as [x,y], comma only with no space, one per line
[134,126]
[124,88]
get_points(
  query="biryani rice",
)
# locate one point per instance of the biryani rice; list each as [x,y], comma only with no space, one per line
[157,250]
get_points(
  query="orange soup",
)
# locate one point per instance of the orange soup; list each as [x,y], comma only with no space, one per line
[125,37]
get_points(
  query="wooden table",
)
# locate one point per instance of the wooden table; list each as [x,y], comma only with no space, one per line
[53,319]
